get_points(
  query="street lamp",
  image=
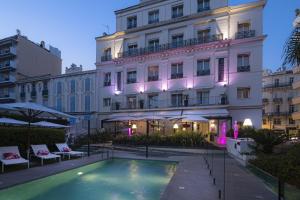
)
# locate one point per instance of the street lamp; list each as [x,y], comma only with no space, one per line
[175,127]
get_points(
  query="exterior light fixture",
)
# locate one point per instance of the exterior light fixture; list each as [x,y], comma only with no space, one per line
[175,126]
[134,126]
[248,123]
[117,92]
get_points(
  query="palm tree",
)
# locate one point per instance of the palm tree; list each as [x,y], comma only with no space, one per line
[291,52]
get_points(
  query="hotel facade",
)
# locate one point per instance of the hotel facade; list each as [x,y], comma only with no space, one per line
[188,57]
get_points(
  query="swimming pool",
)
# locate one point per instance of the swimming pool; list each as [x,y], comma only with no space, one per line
[116,179]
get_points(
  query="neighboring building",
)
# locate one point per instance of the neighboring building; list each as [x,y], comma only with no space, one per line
[171,57]
[21,58]
[277,100]
[296,99]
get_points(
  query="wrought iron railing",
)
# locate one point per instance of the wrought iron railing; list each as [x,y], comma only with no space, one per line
[245,34]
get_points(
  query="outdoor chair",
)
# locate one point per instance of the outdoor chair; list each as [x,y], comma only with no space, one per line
[11,156]
[65,150]
[41,151]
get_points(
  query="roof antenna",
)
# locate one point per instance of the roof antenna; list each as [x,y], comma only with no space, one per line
[107,27]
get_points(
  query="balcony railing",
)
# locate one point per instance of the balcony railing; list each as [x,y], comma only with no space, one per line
[152,78]
[130,81]
[107,83]
[278,85]
[106,58]
[203,72]
[176,15]
[176,76]
[11,51]
[277,100]
[243,68]
[168,46]
[167,103]
[278,113]
[10,95]
[245,34]
[201,9]
[9,79]
[7,65]
[265,100]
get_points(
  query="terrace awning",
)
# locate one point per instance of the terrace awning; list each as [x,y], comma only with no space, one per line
[207,113]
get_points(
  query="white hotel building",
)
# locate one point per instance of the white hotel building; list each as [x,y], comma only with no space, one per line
[177,57]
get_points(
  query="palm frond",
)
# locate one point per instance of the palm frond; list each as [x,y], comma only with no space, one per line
[291,51]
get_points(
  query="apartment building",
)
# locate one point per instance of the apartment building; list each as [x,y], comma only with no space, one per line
[278,93]
[21,58]
[177,57]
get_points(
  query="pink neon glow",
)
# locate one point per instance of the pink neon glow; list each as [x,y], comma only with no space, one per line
[222,135]
[235,130]
[129,132]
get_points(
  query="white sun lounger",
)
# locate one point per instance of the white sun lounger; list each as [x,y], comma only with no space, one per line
[43,147]
[11,149]
[61,147]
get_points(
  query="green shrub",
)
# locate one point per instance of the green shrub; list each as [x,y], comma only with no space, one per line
[17,136]
[185,139]
[94,138]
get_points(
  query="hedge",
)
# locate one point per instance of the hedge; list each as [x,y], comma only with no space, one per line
[179,139]
[17,136]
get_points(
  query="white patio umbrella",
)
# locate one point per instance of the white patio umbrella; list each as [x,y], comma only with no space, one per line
[30,111]
[5,120]
[49,124]
[194,118]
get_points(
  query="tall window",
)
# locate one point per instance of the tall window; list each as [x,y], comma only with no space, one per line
[106,55]
[177,100]
[203,5]
[73,86]
[72,104]
[153,17]
[107,79]
[291,108]
[153,101]
[203,36]
[119,81]
[177,70]
[243,93]
[87,103]
[59,88]
[203,67]
[177,40]
[177,11]
[276,82]
[131,77]
[87,84]
[277,108]
[244,31]
[221,69]
[291,80]
[131,102]
[132,49]
[277,121]
[291,121]
[203,97]
[243,27]
[153,44]
[153,73]
[132,22]
[243,63]
[106,102]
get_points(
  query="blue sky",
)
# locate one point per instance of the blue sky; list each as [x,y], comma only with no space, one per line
[72,25]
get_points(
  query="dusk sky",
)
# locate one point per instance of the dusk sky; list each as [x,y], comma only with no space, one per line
[73,25]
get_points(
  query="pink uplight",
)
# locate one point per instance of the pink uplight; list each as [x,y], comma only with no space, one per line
[222,135]
[235,130]
[129,132]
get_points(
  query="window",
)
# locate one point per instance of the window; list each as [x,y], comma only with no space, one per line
[59,104]
[277,108]
[291,81]
[87,103]
[243,93]
[106,102]
[177,11]
[153,45]
[131,102]
[22,88]
[177,100]
[153,17]
[107,79]
[264,121]
[45,85]
[119,81]
[177,40]
[276,82]
[203,67]
[277,121]
[244,31]
[73,86]
[87,84]
[176,70]
[203,5]
[203,36]
[291,108]
[59,88]
[243,63]
[153,101]
[106,55]
[72,104]
[291,121]
[203,97]
[243,27]
[131,22]
[221,69]
[132,49]
[131,77]
[153,73]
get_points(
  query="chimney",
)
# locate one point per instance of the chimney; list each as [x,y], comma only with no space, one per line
[42,44]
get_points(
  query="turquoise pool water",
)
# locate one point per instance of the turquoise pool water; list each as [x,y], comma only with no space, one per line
[117,179]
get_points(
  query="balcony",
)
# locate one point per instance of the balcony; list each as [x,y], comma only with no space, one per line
[167,103]
[203,72]
[8,65]
[9,96]
[152,78]
[131,81]
[106,58]
[7,80]
[243,68]
[169,46]
[176,76]
[245,34]
[277,85]
[277,100]
[11,51]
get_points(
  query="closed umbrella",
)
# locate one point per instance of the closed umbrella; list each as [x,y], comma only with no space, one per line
[49,125]
[5,120]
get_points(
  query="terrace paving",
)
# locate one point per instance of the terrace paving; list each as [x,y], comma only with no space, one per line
[191,180]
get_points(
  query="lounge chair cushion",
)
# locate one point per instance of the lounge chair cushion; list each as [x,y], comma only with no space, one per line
[10,156]
[14,161]
[67,149]
[42,152]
